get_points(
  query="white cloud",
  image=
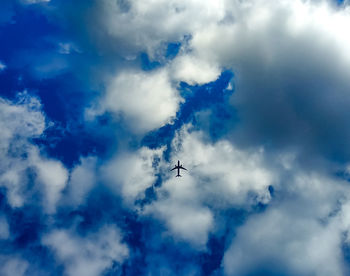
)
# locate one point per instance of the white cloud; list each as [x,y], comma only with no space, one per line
[258,30]
[82,180]
[180,207]
[130,174]
[53,177]
[89,255]
[22,121]
[19,123]
[15,180]
[289,243]
[300,234]
[193,70]
[140,25]
[146,100]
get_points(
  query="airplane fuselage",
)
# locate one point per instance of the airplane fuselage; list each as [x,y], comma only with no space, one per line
[178,168]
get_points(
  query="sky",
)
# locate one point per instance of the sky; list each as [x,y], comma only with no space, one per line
[99,99]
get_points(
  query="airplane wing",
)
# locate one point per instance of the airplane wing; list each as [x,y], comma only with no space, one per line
[174,168]
[183,168]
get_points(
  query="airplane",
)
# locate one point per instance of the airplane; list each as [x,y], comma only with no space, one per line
[178,167]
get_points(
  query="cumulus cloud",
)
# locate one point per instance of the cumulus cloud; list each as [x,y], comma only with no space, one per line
[90,255]
[279,241]
[21,122]
[193,70]
[131,173]
[146,100]
[82,180]
[185,217]
[301,234]
[52,175]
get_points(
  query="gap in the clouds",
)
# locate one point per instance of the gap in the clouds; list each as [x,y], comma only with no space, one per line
[150,194]
[101,207]
[147,64]
[69,145]
[70,137]
[343,174]
[23,41]
[211,260]
[213,97]
[172,49]
[11,83]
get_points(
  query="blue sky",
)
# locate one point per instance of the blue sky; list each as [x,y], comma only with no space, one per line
[99,99]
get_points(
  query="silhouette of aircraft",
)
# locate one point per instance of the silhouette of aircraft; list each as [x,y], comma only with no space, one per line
[178,167]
